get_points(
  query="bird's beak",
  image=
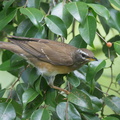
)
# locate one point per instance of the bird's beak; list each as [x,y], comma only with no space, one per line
[93,59]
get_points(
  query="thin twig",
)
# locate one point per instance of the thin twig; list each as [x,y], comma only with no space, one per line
[25,3]
[14,83]
[66,111]
[101,91]
[101,37]
[117,91]
[111,69]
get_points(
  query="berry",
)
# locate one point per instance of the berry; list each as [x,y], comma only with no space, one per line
[109,44]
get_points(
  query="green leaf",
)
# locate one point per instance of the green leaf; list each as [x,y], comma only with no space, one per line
[104,24]
[2,92]
[81,99]
[33,3]
[7,111]
[90,116]
[33,76]
[118,78]
[110,118]
[78,10]
[35,15]
[2,14]
[17,60]
[6,66]
[88,30]
[63,14]
[27,29]
[117,47]
[114,19]
[100,10]
[56,25]
[73,79]
[7,4]
[65,109]
[78,42]
[93,68]
[115,3]
[51,98]
[96,103]
[25,75]
[23,28]
[28,96]
[20,89]
[113,102]
[7,19]
[41,114]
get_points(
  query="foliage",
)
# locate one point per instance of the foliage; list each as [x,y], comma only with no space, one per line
[75,21]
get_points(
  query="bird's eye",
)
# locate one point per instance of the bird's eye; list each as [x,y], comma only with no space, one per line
[83,55]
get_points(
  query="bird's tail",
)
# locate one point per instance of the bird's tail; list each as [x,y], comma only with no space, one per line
[11,47]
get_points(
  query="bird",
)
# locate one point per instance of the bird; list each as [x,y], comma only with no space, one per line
[48,56]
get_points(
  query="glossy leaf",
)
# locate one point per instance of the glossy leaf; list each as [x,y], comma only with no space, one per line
[35,15]
[16,60]
[56,25]
[61,11]
[2,14]
[2,91]
[25,75]
[96,103]
[6,66]
[27,29]
[78,10]
[100,10]
[33,76]
[118,78]
[73,79]
[90,117]
[51,98]
[110,118]
[7,19]
[80,99]
[114,19]
[67,111]
[7,111]
[93,68]
[117,47]
[41,114]
[104,24]
[20,89]
[78,42]
[7,4]
[88,30]
[113,102]
[115,3]
[28,96]
[23,28]
[33,3]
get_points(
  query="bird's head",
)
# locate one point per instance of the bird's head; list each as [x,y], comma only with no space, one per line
[83,56]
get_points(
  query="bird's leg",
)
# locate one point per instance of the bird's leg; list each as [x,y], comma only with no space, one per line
[50,81]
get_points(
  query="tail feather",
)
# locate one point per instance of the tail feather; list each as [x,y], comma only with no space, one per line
[10,46]
[18,38]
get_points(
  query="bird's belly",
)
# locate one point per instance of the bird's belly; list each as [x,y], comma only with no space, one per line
[51,70]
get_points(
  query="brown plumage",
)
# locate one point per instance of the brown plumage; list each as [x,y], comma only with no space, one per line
[49,57]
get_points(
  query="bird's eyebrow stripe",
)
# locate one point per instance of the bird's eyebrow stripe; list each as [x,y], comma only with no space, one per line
[84,53]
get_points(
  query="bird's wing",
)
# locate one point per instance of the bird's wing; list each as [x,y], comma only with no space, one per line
[49,51]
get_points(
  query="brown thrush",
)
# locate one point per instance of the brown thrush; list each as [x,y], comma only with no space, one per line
[49,57]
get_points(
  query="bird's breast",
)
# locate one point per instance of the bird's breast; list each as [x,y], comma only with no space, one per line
[48,69]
